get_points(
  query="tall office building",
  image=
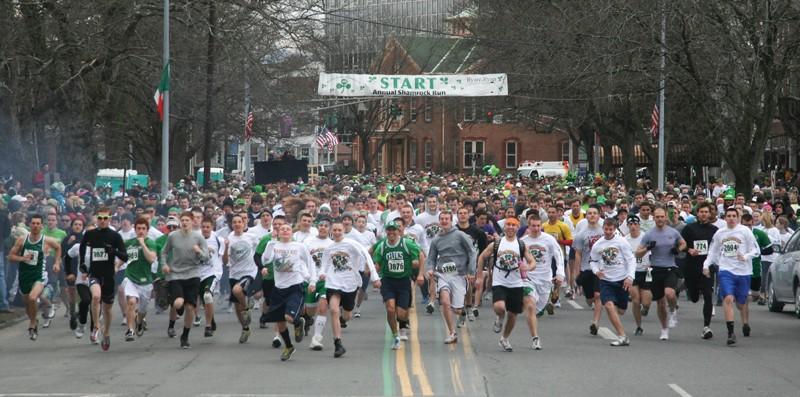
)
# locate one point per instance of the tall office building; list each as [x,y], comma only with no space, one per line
[357,29]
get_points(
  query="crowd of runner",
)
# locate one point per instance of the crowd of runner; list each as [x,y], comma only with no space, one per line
[296,255]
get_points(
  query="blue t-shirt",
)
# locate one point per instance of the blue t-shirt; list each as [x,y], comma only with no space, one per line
[666,238]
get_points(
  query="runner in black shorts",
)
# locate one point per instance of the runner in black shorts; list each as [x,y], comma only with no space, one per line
[105,246]
[640,291]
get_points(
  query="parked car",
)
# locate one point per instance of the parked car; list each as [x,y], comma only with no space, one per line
[540,169]
[783,279]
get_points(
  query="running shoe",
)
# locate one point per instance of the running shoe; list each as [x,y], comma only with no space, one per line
[557,305]
[196,321]
[462,319]
[498,324]
[94,336]
[536,343]
[403,334]
[452,338]
[208,332]
[568,293]
[50,313]
[287,353]
[645,310]
[33,333]
[357,313]
[46,323]
[73,321]
[396,343]
[106,344]
[664,334]
[185,342]
[299,329]
[316,343]
[244,336]
[475,311]
[593,329]
[505,345]
[639,331]
[342,322]
[470,315]
[262,324]
[276,341]
[731,339]
[339,349]
[746,330]
[673,318]
[80,331]
[622,341]
[540,313]
[707,334]
[429,308]
[550,308]
[129,335]
[171,332]
[139,327]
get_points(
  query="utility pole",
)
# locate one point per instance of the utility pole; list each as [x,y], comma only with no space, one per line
[661,117]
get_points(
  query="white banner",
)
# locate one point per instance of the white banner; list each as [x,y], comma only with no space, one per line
[436,85]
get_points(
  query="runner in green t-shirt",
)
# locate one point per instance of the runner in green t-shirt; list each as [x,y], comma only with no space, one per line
[53,282]
[138,283]
[394,259]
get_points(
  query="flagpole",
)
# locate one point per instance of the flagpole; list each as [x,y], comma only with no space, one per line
[246,139]
[165,121]
[661,152]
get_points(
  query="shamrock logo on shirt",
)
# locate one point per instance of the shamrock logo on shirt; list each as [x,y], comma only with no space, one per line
[341,261]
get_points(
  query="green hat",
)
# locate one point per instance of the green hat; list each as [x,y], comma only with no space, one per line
[601,199]
[392,225]
[240,202]
[174,209]
[729,196]
[591,193]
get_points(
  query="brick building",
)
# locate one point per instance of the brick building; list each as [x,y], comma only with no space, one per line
[445,134]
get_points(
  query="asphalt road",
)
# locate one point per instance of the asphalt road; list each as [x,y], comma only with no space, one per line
[572,362]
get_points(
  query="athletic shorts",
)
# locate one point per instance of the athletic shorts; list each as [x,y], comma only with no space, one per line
[107,287]
[266,288]
[209,284]
[663,277]
[640,280]
[613,291]
[319,292]
[457,285]
[186,289]
[589,283]
[27,279]
[696,283]
[755,283]
[539,290]
[398,289]
[511,296]
[141,292]
[733,285]
[243,282]
[347,299]
[285,302]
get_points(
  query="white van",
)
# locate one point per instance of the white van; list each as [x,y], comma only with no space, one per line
[540,169]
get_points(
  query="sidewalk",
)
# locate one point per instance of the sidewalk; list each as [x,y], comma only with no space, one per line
[16,315]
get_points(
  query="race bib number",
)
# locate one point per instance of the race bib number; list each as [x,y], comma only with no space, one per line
[34,257]
[396,266]
[701,246]
[449,268]
[730,248]
[99,255]
[639,261]
[133,254]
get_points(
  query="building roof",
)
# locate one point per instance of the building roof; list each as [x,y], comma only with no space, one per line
[439,54]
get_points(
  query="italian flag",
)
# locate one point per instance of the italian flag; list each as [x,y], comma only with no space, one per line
[162,88]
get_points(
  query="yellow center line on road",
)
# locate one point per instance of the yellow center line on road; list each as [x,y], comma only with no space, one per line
[402,373]
[416,355]
[455,370]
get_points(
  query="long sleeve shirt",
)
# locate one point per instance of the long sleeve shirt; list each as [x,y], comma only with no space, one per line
[291,263]
[452,246]
[614,257]
[341,262]
[726,246]
[184,263]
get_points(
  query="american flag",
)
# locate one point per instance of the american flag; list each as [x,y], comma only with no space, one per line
[654,120]
[326,138]
[248,124]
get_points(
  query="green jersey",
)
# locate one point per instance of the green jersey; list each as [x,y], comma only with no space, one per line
[138,270]
[160,243]
[763,242]
[260,248]
[56,234]
[395,261]
[31,271]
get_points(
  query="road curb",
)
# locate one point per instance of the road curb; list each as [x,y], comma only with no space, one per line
[14,321]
